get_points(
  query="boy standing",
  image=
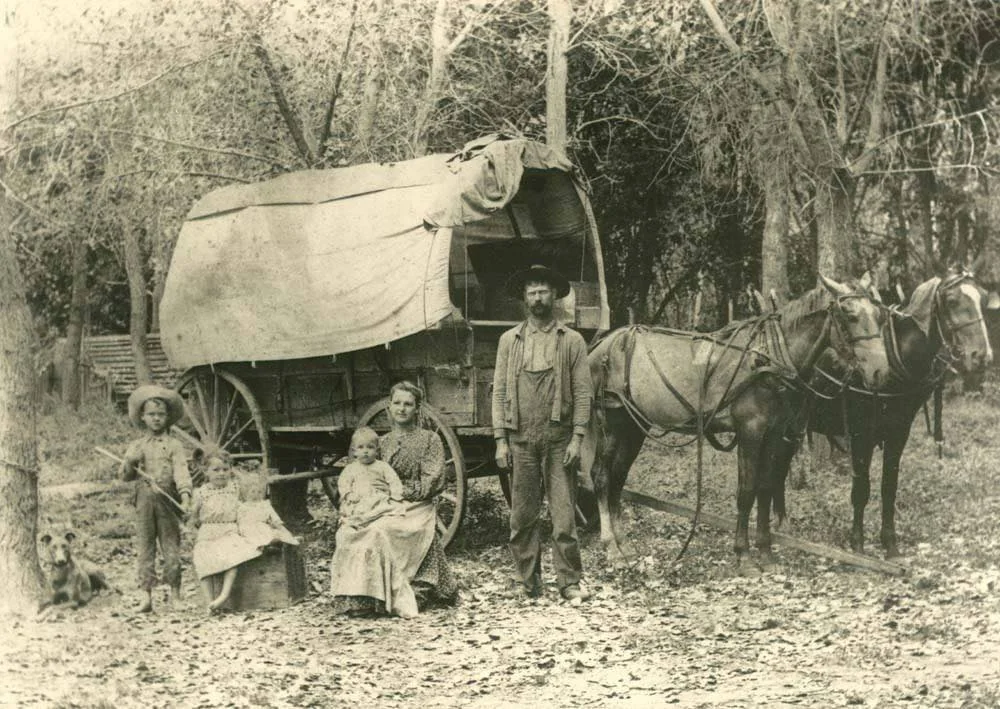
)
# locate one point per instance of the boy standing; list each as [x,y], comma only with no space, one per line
[158,464]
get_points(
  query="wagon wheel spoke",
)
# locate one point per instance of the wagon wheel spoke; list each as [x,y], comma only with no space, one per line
[232,439]
[195,416]
[221,411]
[204,417]
[229,411]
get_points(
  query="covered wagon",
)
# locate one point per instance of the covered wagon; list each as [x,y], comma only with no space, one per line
[294,304]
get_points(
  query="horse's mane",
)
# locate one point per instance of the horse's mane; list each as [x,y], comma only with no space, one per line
[794,311]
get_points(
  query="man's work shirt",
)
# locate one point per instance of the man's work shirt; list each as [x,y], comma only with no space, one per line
[540,345]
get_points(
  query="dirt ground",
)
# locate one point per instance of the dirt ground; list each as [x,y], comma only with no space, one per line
[685,633]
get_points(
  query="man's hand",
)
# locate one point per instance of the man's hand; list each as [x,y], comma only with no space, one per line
[571,461]
[503,454]
[186,505]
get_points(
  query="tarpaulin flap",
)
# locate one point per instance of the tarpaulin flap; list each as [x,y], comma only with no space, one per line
[291,281]
[316,186]
[328,261]
[489,178]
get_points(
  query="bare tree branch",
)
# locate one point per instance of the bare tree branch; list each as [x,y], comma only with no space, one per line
[45,218]
[202,148]
[756,75]
[112,97]
[877,103]
[324,129]
[292,120]
[470,23]
[185,173]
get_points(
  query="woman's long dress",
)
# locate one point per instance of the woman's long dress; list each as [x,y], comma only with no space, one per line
[370,565]
[417,456]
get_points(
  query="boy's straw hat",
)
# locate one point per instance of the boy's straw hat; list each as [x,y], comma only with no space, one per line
[142,394]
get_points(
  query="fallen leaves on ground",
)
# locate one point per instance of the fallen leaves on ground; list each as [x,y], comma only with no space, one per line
[690,633]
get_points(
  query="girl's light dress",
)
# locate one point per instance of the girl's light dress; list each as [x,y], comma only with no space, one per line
[219,545]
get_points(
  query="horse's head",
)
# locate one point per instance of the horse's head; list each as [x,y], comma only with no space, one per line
[956,311]
[856,317]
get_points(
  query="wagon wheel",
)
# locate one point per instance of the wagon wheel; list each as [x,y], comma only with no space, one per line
[451,501]
[220,410]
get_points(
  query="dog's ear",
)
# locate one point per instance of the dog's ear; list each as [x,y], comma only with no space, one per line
[70,536]
[45,538]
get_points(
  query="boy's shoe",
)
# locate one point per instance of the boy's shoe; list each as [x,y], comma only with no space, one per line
[574,594]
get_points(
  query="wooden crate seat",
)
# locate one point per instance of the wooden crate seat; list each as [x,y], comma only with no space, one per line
[276,579]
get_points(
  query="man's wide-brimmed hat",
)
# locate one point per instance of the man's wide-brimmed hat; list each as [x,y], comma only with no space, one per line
[540,274]
[142,394]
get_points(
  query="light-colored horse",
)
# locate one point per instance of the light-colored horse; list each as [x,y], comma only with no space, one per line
[745,378]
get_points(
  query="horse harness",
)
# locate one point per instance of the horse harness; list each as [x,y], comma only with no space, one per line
[777,362]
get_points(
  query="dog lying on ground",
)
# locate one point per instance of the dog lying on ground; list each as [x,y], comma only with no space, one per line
[70,580]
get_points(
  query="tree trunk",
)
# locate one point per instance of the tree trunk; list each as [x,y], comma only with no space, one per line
[21,581]
[302,140]
[835,254]
[560,14]
[435,79]
[74,331]
[160,266]
[371,90]
[138,313]
[774,249]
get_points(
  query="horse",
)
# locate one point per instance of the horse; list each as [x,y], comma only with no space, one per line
[745,378]
[941,328]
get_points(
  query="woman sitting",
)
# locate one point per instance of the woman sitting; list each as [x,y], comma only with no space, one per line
[377,567]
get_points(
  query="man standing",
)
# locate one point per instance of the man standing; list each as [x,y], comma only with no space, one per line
[541,405]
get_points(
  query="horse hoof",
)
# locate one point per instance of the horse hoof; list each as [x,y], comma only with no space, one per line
[747,569]
[892,552]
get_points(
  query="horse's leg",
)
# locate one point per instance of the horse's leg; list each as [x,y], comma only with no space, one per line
[599,473]
[763,535]
[895,440]
[618,444]
[748,462]
[629,444]
[862,447]
[772,495]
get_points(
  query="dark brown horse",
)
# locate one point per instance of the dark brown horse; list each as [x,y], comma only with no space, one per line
[940,328]
[745,378]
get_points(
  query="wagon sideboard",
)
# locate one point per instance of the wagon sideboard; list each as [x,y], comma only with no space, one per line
[453,363]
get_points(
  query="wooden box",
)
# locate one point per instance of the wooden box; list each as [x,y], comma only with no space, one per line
[276,579]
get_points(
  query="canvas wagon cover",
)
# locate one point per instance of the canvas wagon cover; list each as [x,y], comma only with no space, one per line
[328,261]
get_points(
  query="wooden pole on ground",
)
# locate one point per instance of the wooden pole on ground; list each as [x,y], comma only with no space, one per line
[728,525]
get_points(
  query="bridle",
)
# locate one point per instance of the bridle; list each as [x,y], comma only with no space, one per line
[950,350]
[834,320]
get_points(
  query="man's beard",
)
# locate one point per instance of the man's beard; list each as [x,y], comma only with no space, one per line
[541,310]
